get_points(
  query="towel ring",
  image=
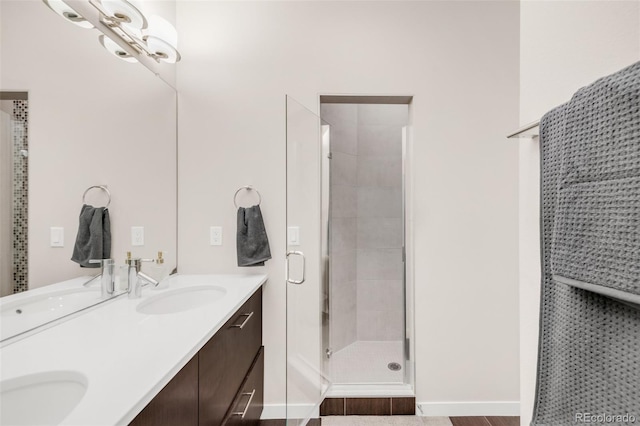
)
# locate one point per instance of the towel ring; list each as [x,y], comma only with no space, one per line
[248,188]
[103,187]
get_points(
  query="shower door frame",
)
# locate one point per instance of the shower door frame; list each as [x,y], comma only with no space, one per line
[306,384]
[407,247]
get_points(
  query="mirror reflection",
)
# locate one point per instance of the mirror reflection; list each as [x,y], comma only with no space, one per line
[80,130]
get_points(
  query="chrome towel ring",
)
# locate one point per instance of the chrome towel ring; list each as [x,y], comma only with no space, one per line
[248,188]
[103,187]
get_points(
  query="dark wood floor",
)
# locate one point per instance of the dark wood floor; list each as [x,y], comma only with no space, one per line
[485,421]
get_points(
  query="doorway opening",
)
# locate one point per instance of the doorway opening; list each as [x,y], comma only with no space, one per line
[367,324]
[14,185]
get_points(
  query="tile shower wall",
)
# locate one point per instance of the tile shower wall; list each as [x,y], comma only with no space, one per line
[366,222]
[343,119]
[380,269]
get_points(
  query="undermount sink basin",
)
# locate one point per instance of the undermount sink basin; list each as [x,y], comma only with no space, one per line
[42,398]
[184,299]
[30,311]
[60,301]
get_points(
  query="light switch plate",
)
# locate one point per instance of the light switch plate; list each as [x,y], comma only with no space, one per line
[137,235]
[215,235]
[57,236]
[293,235]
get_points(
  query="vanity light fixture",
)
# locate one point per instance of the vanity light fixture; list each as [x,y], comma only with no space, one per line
[68,13]
[115,49]
[155,38]
[162,39]
[125,13]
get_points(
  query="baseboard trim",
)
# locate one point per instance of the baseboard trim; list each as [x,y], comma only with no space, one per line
[279,411]
[484,408]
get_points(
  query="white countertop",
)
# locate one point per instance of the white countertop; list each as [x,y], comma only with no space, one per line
[127,357]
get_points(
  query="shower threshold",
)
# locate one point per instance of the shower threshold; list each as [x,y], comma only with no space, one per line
[340,390]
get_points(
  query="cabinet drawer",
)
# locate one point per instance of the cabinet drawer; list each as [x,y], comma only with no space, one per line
[226,359]
[247,405]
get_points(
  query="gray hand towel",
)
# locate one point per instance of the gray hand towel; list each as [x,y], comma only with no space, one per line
[94,236]
[251,239]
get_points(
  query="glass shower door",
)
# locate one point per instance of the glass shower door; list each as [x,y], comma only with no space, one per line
[305,381]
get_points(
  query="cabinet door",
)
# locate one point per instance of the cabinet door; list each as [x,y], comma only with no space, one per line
[226,359]
[177,402]
[247,406]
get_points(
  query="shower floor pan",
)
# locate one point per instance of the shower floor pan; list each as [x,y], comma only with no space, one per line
[362,369]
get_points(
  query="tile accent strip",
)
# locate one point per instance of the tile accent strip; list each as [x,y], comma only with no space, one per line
[332,407]
[403,406]
[368,406]
[20,134]
[400,406]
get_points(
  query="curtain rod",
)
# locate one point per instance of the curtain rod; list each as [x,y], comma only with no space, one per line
[531,130]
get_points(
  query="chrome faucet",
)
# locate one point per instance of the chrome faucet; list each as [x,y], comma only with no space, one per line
[107,275]
[135,276]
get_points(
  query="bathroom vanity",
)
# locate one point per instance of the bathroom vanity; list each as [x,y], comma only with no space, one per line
[222,384]
[190,354]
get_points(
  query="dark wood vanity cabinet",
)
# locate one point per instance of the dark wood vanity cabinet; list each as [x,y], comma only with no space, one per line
[225,361]
[247,405]
[222,384]
[177,402]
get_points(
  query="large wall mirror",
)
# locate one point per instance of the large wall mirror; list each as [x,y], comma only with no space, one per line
[75,116]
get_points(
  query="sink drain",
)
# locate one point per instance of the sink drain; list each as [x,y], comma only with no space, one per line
[394,366]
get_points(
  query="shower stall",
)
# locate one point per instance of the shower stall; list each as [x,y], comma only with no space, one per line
[368,349]
[349,309]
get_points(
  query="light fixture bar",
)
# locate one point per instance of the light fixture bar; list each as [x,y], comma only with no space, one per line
[117,29]
[115,25]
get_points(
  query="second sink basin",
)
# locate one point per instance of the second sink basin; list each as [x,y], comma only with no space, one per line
[41,399]
[180,300]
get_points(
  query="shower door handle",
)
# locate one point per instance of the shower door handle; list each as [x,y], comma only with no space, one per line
[296,253]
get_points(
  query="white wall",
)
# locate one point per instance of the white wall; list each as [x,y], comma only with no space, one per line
[460,62]
[93,119]
[564,45]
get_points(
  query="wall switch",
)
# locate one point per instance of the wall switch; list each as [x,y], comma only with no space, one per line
[293,235]
[137,235]
[215,235]
[57,236]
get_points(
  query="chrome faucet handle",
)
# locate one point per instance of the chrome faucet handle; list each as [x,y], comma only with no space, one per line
[134,275]
[108,276]
[146,277]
